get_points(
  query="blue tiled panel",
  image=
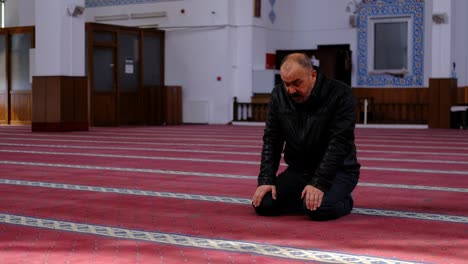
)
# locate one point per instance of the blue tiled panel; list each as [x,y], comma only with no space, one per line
[99,3]
[272,14]
[415,8]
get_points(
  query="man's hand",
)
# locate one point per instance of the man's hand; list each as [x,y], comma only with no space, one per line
[261,191]
[313,197]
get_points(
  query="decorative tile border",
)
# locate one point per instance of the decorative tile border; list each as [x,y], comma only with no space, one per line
[226,199]
[237,246]
[272,14]
[415,8]
[100,3]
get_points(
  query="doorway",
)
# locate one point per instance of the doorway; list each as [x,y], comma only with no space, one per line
[16,44]
[124,65]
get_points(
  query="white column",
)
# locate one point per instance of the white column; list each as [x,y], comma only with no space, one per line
[60,38]
[240,45]
[441,40]
[19,13]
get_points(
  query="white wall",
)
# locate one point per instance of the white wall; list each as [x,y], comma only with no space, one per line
[460,40]
[221,38]
[60,46]
[442,37]
[303,24]
[19,13]
[199,48]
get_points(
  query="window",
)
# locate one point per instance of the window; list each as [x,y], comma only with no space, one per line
[2,13]
[257,8]
[390,45]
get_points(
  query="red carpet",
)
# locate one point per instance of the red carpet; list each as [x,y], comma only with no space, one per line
[181,195]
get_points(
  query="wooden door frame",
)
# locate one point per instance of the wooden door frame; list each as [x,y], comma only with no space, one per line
[139,93]
[153,106]
[6,92]
[91,28]
[8,32]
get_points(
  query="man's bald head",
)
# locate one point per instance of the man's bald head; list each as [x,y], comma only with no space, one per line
[299,58]
[298,76]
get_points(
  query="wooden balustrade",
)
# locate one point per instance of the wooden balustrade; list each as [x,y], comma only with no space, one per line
[253,112]
[377,113]
[391,113]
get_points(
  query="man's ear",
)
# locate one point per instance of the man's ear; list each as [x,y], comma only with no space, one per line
[313,73]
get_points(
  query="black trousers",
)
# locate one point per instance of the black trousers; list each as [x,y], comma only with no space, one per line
[336,203]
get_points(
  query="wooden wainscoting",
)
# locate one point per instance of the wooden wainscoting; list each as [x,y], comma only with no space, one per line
[393,105]
[103,107]
[60,103]
[131,108]
[443,93]
[163,105]
[20,107]
[3,108]
[462,95]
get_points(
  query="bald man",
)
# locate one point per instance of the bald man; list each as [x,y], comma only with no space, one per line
[311,118]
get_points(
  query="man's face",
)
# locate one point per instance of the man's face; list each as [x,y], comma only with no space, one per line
[298,81]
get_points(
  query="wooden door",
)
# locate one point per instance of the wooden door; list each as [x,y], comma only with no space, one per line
[125,64]
[129,87]
[20,84]
[104,96]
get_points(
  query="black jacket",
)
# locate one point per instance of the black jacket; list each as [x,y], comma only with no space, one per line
[318,135]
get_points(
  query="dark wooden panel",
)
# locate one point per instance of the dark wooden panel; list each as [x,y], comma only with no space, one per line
[81,106]
[39,87]
[103,109]
[53,99]
[447,98]
[130,108]
[21,107]
[154,105]
[3,108]
[163,105]
[393,105]
[173,105]
[462,95]
[60,103]
[442,95]
[67,99]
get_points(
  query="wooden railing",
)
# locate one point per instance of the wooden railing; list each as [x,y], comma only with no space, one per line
[252,112]
[391,113]
[377,113]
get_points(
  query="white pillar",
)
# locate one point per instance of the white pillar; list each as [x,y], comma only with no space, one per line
[60,38]
[442,37]
[240,45]
[19,13]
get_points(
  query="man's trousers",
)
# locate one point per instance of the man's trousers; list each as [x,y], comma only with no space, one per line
[336,202]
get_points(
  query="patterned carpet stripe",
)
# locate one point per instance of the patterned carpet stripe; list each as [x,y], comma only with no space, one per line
[255,137]
[219,175]
[149,138]
[235,152]
[140,143]
[415,170]
[409,146]
[86,167]
[248,143]
[413,152]
[197,242]
[131,156]
[136,149]
[216,161]
[225,199]
[400,140]
[413,187]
